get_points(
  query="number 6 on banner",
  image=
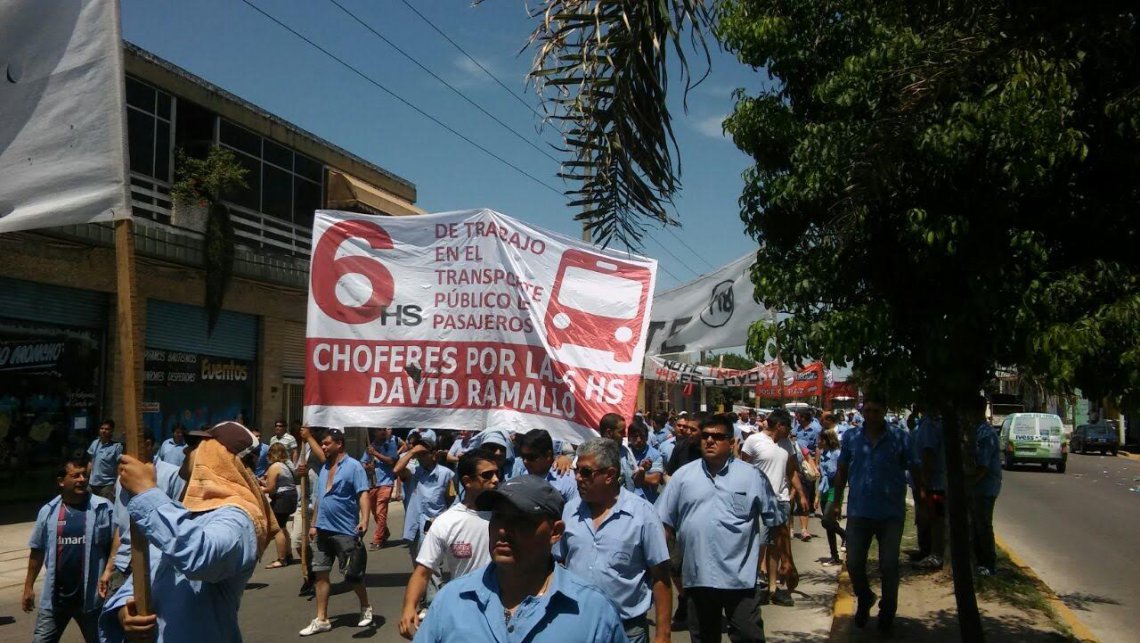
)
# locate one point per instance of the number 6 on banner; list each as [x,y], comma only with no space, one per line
[327,271]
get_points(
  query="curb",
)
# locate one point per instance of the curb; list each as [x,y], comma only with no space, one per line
[1130,456]
[842,610]
[1079,630]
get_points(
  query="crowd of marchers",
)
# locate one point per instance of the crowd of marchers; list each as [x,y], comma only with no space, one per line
[661,523]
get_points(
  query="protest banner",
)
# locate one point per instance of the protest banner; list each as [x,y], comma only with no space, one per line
[470,320]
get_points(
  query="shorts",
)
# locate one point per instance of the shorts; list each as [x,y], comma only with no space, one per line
[331,547]
[283,520]
[783,511]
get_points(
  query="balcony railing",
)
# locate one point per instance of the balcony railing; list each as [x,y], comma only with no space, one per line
[150,199]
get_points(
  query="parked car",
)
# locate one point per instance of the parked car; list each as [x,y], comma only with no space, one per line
[1037,438]
[1095,437]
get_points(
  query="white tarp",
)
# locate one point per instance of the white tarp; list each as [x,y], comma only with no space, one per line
[470,320]
[712,311]
[62,136]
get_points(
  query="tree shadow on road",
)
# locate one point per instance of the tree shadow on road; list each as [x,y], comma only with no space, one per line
[1082,601]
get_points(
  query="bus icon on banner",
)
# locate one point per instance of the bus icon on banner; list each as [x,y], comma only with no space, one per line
[598,303]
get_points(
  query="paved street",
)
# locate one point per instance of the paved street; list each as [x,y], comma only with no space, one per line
[1078,532]
[272,612]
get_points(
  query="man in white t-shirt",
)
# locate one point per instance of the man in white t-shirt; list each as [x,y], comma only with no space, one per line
[457,541]
[770,451]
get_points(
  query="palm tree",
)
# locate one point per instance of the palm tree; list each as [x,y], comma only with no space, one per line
[601,69]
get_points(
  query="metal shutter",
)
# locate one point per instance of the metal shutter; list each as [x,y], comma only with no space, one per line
[292,350]
[179,327]
[33,301]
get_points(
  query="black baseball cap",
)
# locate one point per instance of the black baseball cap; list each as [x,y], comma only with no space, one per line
[529,494]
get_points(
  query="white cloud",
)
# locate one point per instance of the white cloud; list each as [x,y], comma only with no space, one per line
[468,74]
[712,126]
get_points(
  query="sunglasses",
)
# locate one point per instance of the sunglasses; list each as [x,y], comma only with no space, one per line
[489,474]
[716,437]
[586,472]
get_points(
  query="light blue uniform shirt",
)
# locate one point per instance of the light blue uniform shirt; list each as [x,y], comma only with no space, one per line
[262,465]
[171,484]
[616,558]
[427,497]
[828,467]
[469,610]
[96,547]
[566,485]
[988,455]
[104,462]
[383,472]
[171,452]
[338,509]
[666,448]
[199,565]
[718,519]
[657,465]
[655,437]
[930,439]
[876,475]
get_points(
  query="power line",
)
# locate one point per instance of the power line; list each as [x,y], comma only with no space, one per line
[404,100]
[689,248]
[472,59]
[436,76]
[675,257]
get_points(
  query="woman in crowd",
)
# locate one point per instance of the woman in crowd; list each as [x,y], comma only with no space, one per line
[828,467]
[281,487]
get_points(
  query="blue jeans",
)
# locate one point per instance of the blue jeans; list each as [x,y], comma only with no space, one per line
[51,623]
[889,534]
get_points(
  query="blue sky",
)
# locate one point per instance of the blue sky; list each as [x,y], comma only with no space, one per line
[231,45]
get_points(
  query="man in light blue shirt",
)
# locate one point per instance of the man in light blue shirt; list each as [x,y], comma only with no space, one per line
[987,486]
[536,452]
[426,488]
[613,426]
[873,461]
[72,541]
[104,462]
[261,464]
[173,449]
[378,459]
[340,508]
[169,479]
[649,468]
[522,596]
[662,430]
[615,540]
[720,509]
[202,551]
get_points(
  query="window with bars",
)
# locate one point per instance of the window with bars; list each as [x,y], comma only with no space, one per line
[281,183]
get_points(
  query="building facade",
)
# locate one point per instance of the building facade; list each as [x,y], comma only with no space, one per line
[58,340]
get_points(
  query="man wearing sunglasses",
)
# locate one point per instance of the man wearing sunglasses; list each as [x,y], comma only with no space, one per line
[715,507]
[457,542]
[615,540]
[536,450]
[522,595]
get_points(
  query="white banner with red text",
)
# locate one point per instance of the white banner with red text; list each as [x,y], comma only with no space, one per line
[470,320]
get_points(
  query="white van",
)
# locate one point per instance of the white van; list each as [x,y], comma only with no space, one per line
[1037,438]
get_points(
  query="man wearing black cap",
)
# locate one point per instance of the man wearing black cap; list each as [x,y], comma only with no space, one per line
[522,595]
[202,551]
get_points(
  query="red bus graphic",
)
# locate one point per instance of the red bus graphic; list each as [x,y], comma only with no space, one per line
[598,302]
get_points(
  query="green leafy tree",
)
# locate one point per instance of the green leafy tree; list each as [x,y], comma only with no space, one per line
[940,187]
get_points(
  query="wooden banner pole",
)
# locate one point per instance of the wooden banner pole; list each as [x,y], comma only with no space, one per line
[130,354]
[303,507]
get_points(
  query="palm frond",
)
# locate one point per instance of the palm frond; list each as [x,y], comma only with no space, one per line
[601,68]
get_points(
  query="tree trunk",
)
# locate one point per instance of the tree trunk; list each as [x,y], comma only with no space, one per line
[958,501]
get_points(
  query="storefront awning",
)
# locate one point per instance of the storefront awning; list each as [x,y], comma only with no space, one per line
[346,192]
